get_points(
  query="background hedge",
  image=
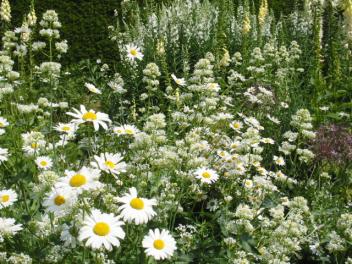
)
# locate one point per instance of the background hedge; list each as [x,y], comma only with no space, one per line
[85,22]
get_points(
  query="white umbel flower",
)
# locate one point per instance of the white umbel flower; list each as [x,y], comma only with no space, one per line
[84,179]
[178,81]
[136,209]
[92,88]
[110,163]
[5,11]
[7,198]
[8,226]
[97,118]
[159,244]
[101,230]
[134,52]
[206,175]
[59,201]
[44,163]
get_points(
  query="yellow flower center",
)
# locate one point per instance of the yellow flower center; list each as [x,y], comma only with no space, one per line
[78,180]
[159,244]
[34,145]
[137,203]
[43,163]
[89,116]
[129,131]
[2,124]
[206,175]
[248,183]
[59,200]
[66,128]
[133,52]
[5,198]
[110,164]
[101,229]
[236,125]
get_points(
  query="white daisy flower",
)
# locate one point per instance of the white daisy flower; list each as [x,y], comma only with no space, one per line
[59,201]
[33,142]
[324,108]
[223,154]
[92,88]
[66,237]
[7,198]
[273,119]
[248,183]
[4,155]
[178,81]
[83,116]
[212,205]
[119,130]
[67,128]
[101,230]
[43,162]
[8,226]
[134,52]
[284,105]
[236,125]
[84,179]
[253,122]
[130,130]
[267,141]
[279,161]
[159,244]
[134,208]
[3,122]
[206,175]
[110,163]
[215,87]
